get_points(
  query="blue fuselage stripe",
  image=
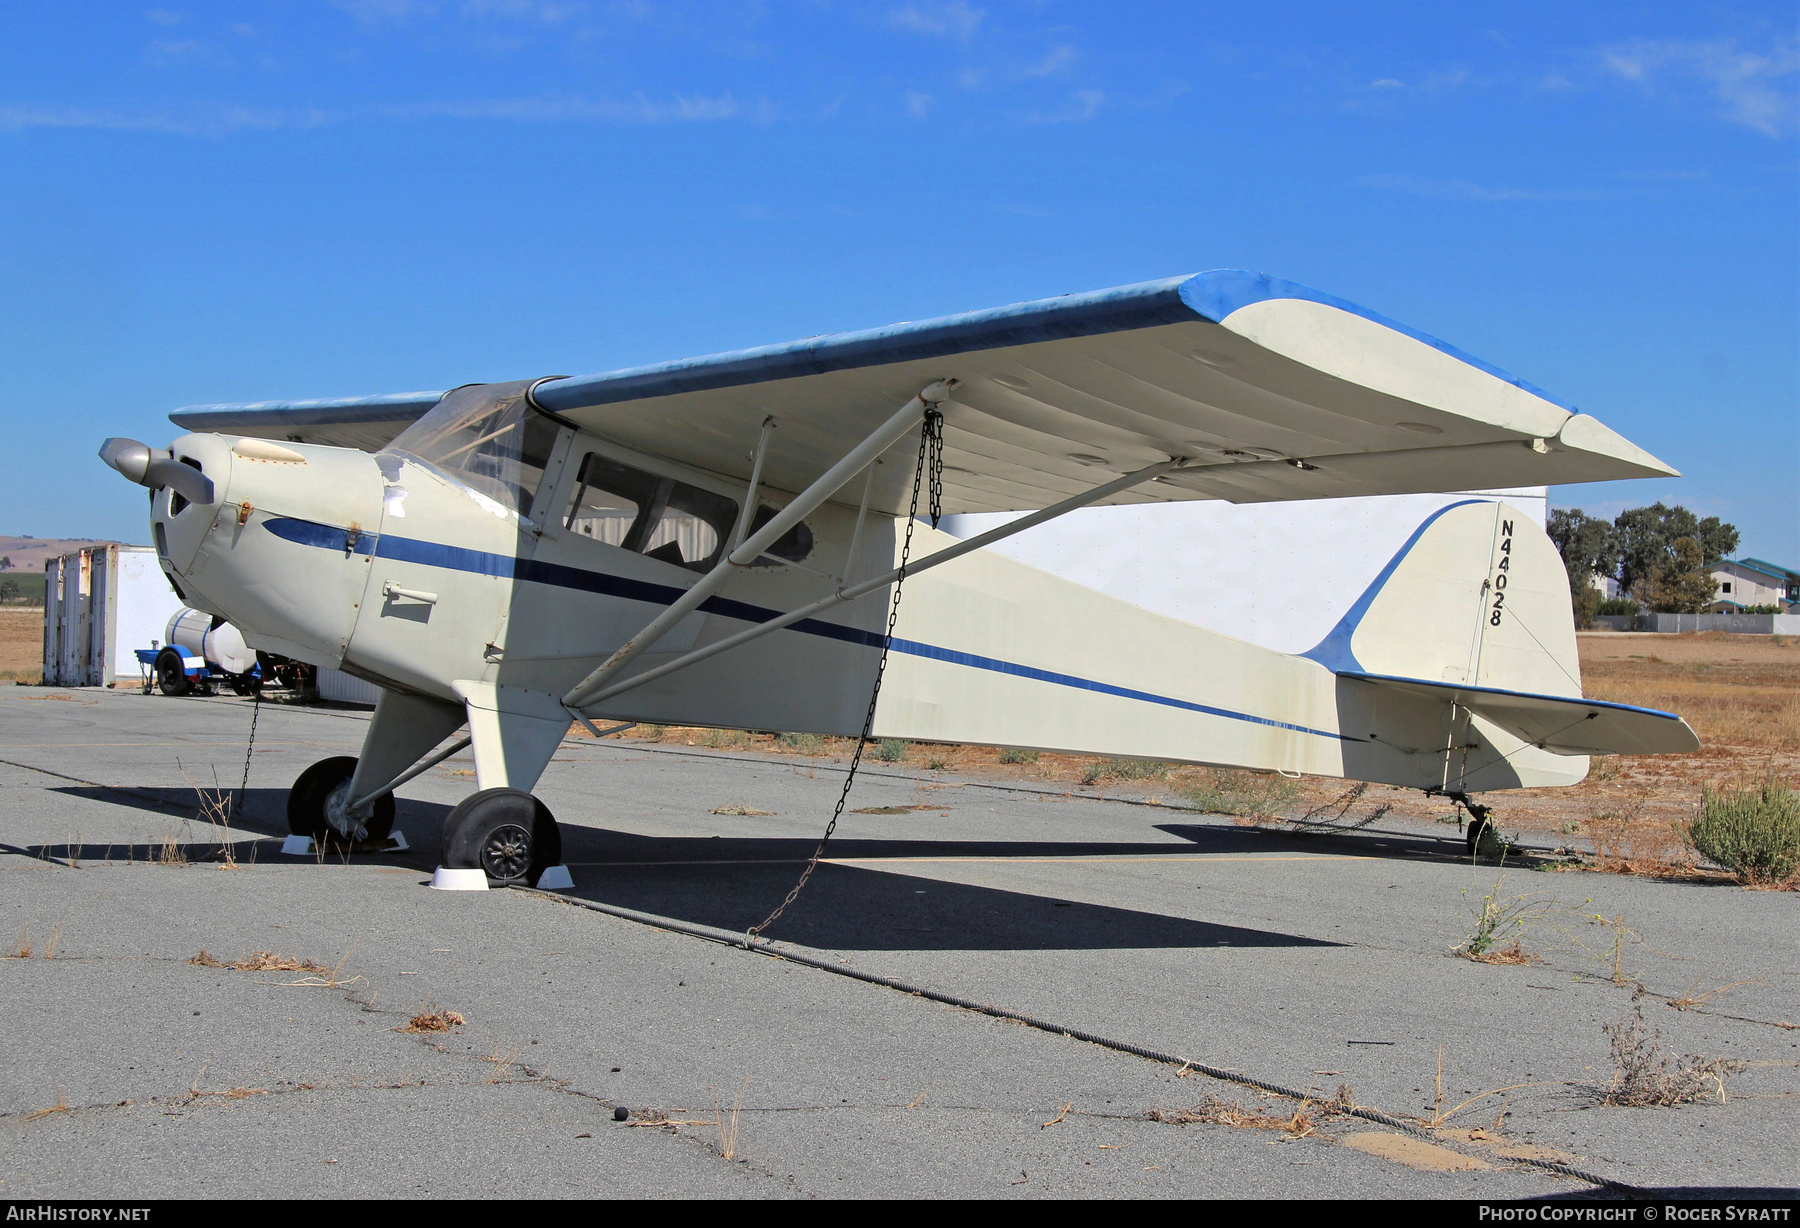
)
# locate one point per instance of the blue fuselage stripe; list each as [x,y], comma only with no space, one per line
[485,563]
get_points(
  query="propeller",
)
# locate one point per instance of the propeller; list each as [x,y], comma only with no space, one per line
[156,468]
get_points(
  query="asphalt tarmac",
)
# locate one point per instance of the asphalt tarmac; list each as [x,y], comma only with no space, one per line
[1306,960]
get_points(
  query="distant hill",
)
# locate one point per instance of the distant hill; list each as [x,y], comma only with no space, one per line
[28,553]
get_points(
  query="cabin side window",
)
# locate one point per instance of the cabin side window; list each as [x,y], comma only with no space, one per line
[666,518]
[658,517]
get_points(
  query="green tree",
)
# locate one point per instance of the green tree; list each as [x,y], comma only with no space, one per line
[1646,538]
[1589,548]
[1682,584]
[9,590]
[6,564]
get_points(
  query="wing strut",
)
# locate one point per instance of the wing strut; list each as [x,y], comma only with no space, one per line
[803,505]
[865,587]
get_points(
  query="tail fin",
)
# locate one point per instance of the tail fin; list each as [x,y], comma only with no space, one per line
[1474,613]
[1477,597]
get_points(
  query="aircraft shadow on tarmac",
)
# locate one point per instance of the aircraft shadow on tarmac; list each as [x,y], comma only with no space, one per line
[732,882]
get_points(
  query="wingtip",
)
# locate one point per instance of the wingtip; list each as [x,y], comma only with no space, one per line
[1584,433]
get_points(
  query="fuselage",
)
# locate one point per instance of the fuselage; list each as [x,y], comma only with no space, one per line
[425,576]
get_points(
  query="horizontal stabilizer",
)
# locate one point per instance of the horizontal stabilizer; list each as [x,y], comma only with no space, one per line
[1567,726]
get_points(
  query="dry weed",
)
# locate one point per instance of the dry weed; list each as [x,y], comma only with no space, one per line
[215,808]
[1513,953]
[1215,1110]
[329,979]
[1643,1076]
[502,1072]
[1331,815]
[728,1130]
[261,961]
[741,809]
[1690,999]
[23,949]
[1440,1114]
[1256,796]
[1499,919]
[61,1106]
[433,1018]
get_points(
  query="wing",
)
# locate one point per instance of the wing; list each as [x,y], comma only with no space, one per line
[1558,723]
[1270,390]
[369,423]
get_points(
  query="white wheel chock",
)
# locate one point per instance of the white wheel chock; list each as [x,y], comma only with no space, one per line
[446,879]
[556,878]
[302,846]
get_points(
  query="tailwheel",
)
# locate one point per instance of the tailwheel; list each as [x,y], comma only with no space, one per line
[507,833]
[1483,835]
[318,806]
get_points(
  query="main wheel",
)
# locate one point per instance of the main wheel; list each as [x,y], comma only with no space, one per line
[316,806]
[506,832]
[171,674]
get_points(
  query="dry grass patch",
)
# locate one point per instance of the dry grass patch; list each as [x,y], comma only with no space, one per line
[1737,689]
[741,809]
[261,961]
[1644,1077]
[433,1018]
[1217,1111]
[1255,796]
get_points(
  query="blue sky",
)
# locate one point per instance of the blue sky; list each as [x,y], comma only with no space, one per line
[221,202]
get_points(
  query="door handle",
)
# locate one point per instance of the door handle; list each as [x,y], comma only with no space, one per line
[394,592]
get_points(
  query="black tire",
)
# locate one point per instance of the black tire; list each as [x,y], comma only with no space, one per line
[1483,829]
[171,674]
[506,832]
[307,798]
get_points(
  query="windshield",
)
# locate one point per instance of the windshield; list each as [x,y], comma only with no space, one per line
[487,437]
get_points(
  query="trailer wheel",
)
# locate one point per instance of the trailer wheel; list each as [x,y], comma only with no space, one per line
[308,799]
[506,832]
[171,674]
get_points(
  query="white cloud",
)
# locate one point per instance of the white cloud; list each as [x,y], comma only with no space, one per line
[956,20]
[223,121]
[1083,105]
[165,17]
[171,53]
[1387,83]
[1461,189]
[639,110]
[919,105]
[1754,88]
[374,12]
[211,121]
[1051,64]
[544,12]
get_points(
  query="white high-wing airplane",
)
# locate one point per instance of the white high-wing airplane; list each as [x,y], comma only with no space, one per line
[686,543]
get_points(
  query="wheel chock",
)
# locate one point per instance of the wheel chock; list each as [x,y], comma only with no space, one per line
[302,846]
[556,878]
[446,879]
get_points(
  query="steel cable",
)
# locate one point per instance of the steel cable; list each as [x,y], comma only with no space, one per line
[764,947]
[926,469]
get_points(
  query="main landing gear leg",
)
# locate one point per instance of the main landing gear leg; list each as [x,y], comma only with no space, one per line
[502,836]
[403,729]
